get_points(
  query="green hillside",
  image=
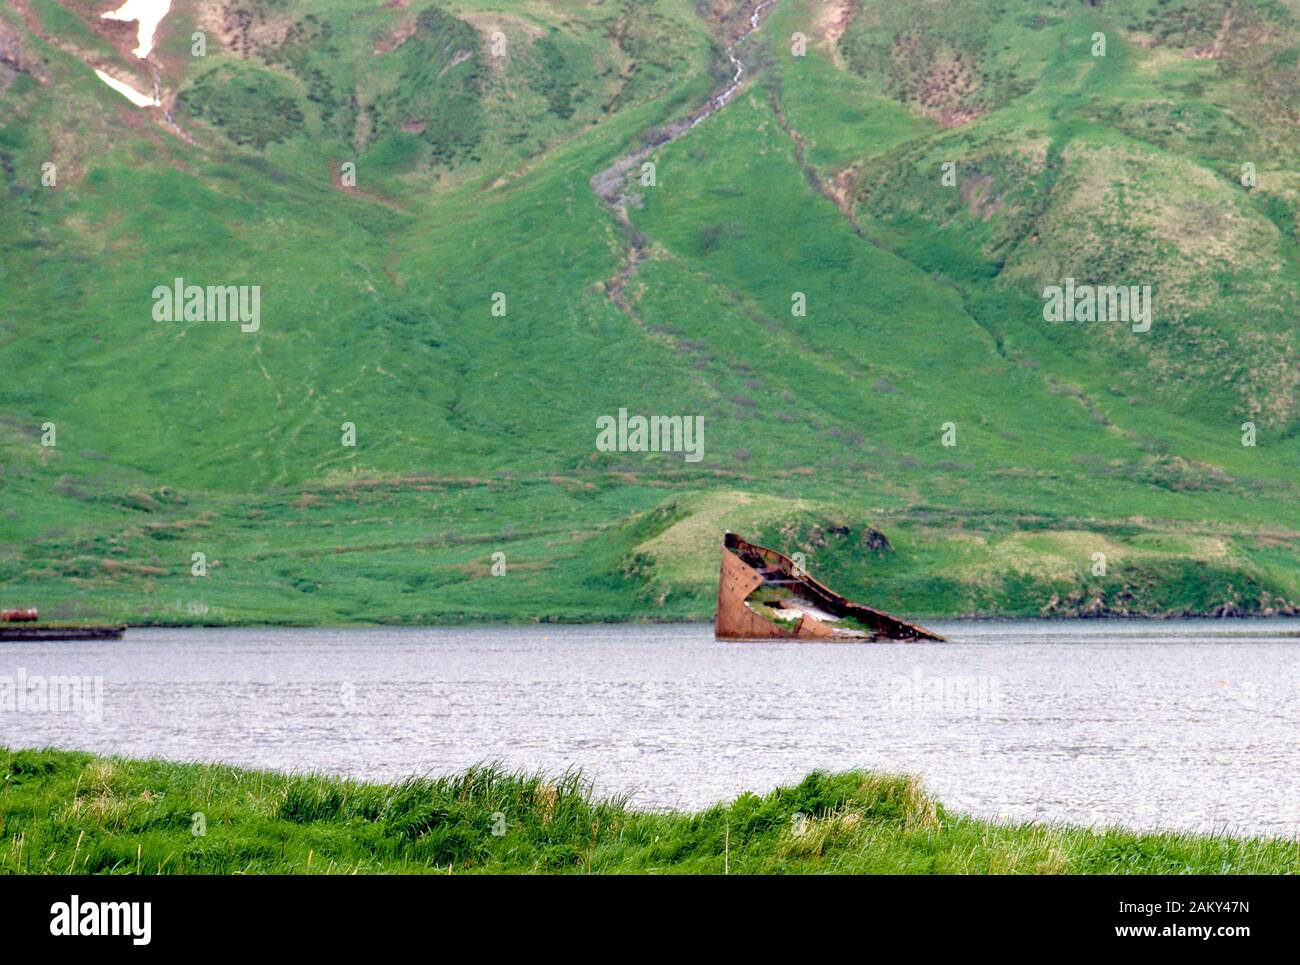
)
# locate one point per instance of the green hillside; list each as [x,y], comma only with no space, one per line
[409,186]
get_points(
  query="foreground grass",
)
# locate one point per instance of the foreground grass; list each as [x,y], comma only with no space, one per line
[68,812]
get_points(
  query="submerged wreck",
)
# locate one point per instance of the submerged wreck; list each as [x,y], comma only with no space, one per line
[764,595]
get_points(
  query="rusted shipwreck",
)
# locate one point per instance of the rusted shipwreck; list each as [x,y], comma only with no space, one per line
[764,595]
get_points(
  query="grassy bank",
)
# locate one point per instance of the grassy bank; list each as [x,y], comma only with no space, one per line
[398,552]
[67,812]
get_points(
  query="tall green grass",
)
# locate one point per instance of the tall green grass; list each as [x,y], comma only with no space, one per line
[73,813]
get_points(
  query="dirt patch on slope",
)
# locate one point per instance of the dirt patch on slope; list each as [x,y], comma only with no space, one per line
[244,32]
[936,81]
[831,20]
[14,58]
[388,42]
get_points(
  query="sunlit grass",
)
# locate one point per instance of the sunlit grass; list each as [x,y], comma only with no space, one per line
[71,813]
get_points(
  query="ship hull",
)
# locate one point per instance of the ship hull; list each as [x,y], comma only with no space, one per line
[804,609]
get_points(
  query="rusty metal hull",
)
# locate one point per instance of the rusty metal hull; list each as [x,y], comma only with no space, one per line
[746,567]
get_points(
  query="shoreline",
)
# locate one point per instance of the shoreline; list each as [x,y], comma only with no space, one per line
[526,621]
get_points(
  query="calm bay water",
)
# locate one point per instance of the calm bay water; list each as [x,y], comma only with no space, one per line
[1184,724]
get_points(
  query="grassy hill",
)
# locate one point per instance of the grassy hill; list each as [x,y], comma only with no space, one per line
[474,130]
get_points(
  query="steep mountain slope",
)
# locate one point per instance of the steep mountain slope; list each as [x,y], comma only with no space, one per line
[408,185]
